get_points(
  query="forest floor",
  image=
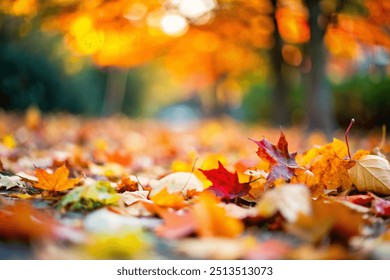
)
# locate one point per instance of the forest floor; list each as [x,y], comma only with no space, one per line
[73,187]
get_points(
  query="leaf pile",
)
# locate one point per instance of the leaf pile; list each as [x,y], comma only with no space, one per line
[119,188]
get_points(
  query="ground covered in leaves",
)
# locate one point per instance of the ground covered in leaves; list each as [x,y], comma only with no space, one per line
[114,188]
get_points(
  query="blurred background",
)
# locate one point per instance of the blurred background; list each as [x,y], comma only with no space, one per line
[283,62]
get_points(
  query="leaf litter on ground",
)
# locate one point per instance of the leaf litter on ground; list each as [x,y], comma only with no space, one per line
[104,184]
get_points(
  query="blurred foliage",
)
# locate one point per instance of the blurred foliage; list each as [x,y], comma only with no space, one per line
[208,49]
[366,98]
[31,73]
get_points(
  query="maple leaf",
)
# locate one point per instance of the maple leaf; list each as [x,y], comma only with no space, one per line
[58,181]
[282,162]
[225,184]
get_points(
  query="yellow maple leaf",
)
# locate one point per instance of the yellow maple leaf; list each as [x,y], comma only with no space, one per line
[58,181]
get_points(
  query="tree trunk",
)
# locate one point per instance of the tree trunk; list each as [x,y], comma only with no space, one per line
[280,109]
[115,91]
[319,99]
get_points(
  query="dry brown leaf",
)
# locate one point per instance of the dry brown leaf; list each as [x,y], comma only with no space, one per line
[371,174]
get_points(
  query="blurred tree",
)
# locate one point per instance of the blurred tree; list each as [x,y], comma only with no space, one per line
[210,45]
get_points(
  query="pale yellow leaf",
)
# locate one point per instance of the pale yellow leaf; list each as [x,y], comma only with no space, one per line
[371,174]
[288,199]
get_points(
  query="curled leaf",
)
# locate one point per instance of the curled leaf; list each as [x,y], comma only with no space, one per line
[371,174]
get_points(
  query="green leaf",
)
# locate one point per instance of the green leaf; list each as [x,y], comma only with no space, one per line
[90,197]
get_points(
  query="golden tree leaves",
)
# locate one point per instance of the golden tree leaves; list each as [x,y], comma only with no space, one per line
[371,174]
[58,181]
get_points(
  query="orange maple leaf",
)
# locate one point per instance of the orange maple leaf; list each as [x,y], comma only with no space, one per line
[58,181]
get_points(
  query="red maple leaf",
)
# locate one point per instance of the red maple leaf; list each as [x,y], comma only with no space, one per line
[282,162]
[225,184]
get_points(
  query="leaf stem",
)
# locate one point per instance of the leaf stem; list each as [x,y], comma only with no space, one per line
[346,136]
[189,177]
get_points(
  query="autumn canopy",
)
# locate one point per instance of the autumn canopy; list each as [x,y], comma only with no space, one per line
[238,146]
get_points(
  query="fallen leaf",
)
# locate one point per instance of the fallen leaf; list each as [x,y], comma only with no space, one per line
[91,196]
[289,199]
[127,184]
[176,225]
[11,182]
[9,141]
[166,199]
[360,199]
[178,181]
[235,211]
[126,244]
[219,223]
[272,249]
[371,174]
[121,157]
[282,162]
[329,219]
[22,221]
[225,184]
[332,252]
[327,166]
[106,221]
[58,181]
[215,248]
[380,206]
[128,198]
